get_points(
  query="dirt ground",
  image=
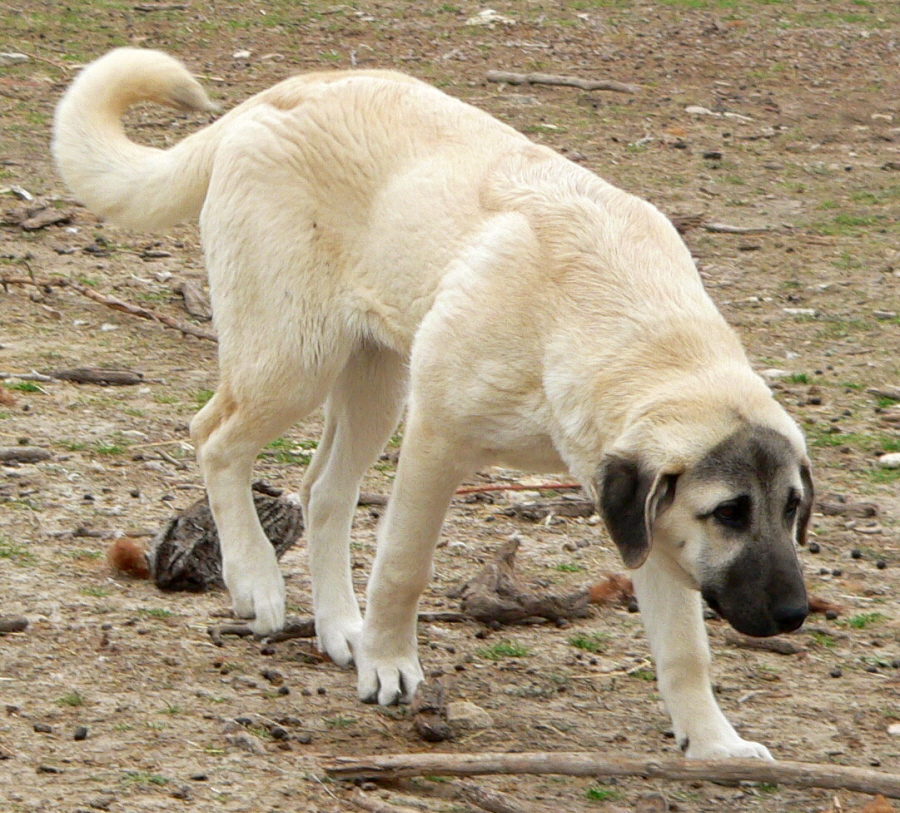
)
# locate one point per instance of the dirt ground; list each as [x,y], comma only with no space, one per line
[774,116]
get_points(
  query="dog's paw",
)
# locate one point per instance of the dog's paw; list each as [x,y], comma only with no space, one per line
[339,638]
[258,597]
[730,748]
[388,681]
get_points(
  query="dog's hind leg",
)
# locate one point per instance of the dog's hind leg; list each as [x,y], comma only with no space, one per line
[427,475]
[228,433]
[362,410]
[672,612]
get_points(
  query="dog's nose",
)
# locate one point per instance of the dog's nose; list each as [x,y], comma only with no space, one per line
[790,617]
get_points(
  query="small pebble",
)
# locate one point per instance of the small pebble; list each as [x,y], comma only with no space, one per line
[304,738]
[813,547]
[284,691]
[198,777]
[872,669]
[881,564]
[831,615]
[321,690]
[856,553]
[42,728]
[836,672]
[837,572]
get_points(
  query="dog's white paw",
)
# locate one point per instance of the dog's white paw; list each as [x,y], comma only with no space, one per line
[339,638]
[257,593]
[730,748]
[388,680]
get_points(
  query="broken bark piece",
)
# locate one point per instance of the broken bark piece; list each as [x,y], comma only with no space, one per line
[779,645]
[848,509]
[43,218]
[99,375]
[196,303]
[429,712]
[684,223]
[23,454]
[497,595]
[366,498]
[13,623]
[185,554]
[490,800]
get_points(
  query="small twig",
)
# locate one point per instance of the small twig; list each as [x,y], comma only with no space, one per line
[567,81]
[32,376]
[306,627]
[797,774]
[147,7]
[115,304]
[518,487]
[725,228]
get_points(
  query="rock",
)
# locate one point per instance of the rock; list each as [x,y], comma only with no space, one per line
[652,803]
[247,743]
[465,716]
[890,461]
[894,730]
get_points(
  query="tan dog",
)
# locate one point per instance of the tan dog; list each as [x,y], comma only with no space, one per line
[373,242]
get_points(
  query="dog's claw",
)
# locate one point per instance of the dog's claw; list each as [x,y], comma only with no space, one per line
[389,684]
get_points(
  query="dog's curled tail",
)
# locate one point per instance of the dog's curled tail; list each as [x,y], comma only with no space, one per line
[133,185]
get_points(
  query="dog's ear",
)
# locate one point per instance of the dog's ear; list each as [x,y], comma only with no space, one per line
[804,512]
[630,500]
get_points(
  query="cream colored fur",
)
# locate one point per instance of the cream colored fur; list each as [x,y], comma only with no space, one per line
[374,243]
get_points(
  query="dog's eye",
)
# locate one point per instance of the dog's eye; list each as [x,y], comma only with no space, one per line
[734,513]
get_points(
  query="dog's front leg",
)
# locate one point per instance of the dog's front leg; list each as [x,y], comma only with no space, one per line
[427,476]
[673,616]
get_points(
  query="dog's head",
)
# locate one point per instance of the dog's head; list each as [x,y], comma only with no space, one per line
[730,520]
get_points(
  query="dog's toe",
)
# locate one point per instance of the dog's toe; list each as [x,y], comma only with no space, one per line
[732,749]
[338,647]
[389,685]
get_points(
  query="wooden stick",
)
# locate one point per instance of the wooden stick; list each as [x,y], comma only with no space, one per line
[567,81]
[798,774]
[518,487]
[115,304]
[725,228]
